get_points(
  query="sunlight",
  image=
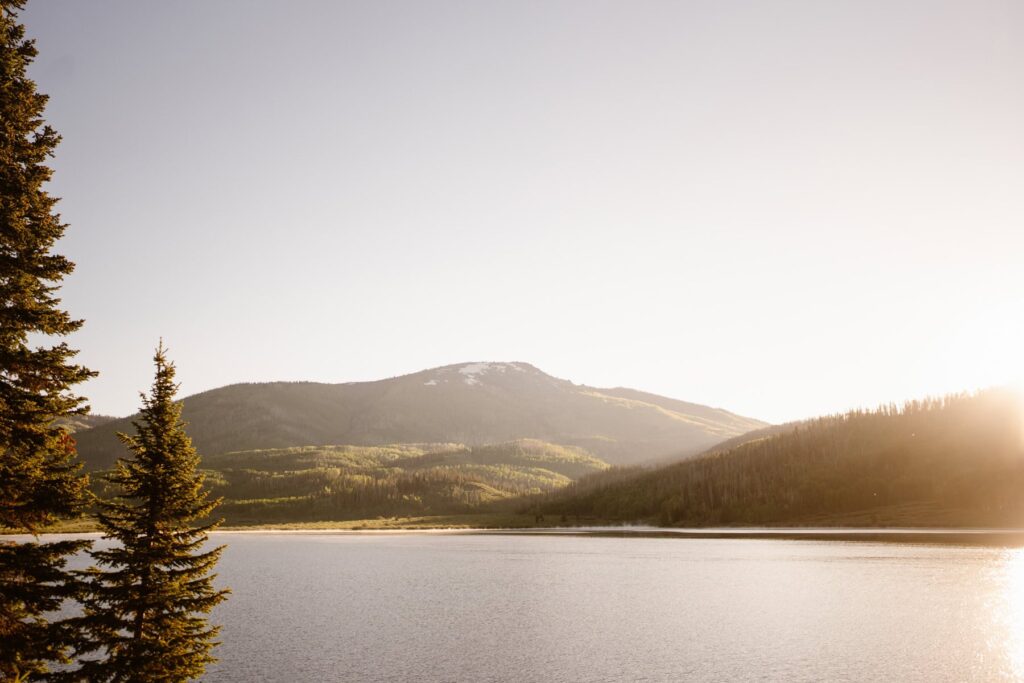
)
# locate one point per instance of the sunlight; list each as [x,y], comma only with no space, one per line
[1016,386]
[1014,606]
[985,351]
[1013,611]
[984,348]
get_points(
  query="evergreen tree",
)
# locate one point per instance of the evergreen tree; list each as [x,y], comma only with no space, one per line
[39,478]
[144,606]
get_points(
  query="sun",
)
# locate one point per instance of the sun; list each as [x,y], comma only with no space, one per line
[983,347]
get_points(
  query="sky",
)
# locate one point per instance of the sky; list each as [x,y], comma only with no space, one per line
[784,208]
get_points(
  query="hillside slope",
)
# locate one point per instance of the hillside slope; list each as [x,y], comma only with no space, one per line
[469,403]
[336,483]
[952,461]
[80,423]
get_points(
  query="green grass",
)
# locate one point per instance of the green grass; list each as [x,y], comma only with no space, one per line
[406,481]
[481,520]
[66,526]
[467,521]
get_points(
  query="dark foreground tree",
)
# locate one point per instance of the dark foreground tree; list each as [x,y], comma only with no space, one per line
[145,603]
[39,478]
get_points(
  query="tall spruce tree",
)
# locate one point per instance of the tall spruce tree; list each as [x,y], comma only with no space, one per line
[145,605]
[39,478]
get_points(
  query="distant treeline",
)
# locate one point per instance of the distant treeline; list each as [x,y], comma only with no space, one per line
[955,460]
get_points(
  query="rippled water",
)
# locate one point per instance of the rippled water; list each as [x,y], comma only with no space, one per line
[455,607]
[540,608]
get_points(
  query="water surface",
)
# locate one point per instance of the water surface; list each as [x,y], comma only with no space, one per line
[432,607]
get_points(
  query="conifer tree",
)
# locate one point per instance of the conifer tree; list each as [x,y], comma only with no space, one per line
[144,606]
[39,478]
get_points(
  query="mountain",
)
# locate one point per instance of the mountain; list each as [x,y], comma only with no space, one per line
[953,461]
[79,423]
[468,403]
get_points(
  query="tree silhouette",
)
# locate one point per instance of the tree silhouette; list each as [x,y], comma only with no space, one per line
[40,480]
[145,605]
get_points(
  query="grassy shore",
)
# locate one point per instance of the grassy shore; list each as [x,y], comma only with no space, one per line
[487,520]
[909,516]
[474,521]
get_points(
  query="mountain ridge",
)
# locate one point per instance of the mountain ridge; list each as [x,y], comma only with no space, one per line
[473,403]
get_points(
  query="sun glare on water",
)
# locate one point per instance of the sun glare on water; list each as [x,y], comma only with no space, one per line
[1012,611]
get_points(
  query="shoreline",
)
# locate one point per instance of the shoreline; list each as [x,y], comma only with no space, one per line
[944,536]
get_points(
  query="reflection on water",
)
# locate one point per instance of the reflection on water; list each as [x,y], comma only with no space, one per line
[487,608]
[536,608]
[1008,611]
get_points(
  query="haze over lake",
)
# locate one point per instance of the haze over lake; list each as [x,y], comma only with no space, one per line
[441,607]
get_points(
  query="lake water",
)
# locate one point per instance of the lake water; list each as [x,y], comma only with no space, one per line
[542,608]
[444,607]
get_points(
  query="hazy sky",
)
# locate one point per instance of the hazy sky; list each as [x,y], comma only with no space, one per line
[780,208]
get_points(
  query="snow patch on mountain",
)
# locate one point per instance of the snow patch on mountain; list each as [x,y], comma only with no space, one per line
[472,372]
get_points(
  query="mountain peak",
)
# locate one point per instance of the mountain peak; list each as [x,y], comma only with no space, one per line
[475,373]
[482,402]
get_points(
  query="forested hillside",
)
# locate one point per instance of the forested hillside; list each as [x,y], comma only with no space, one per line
[470,403]
[80,423]
[358,482]
[957,460]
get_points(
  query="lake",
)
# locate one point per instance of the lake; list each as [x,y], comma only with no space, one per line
[514,607]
